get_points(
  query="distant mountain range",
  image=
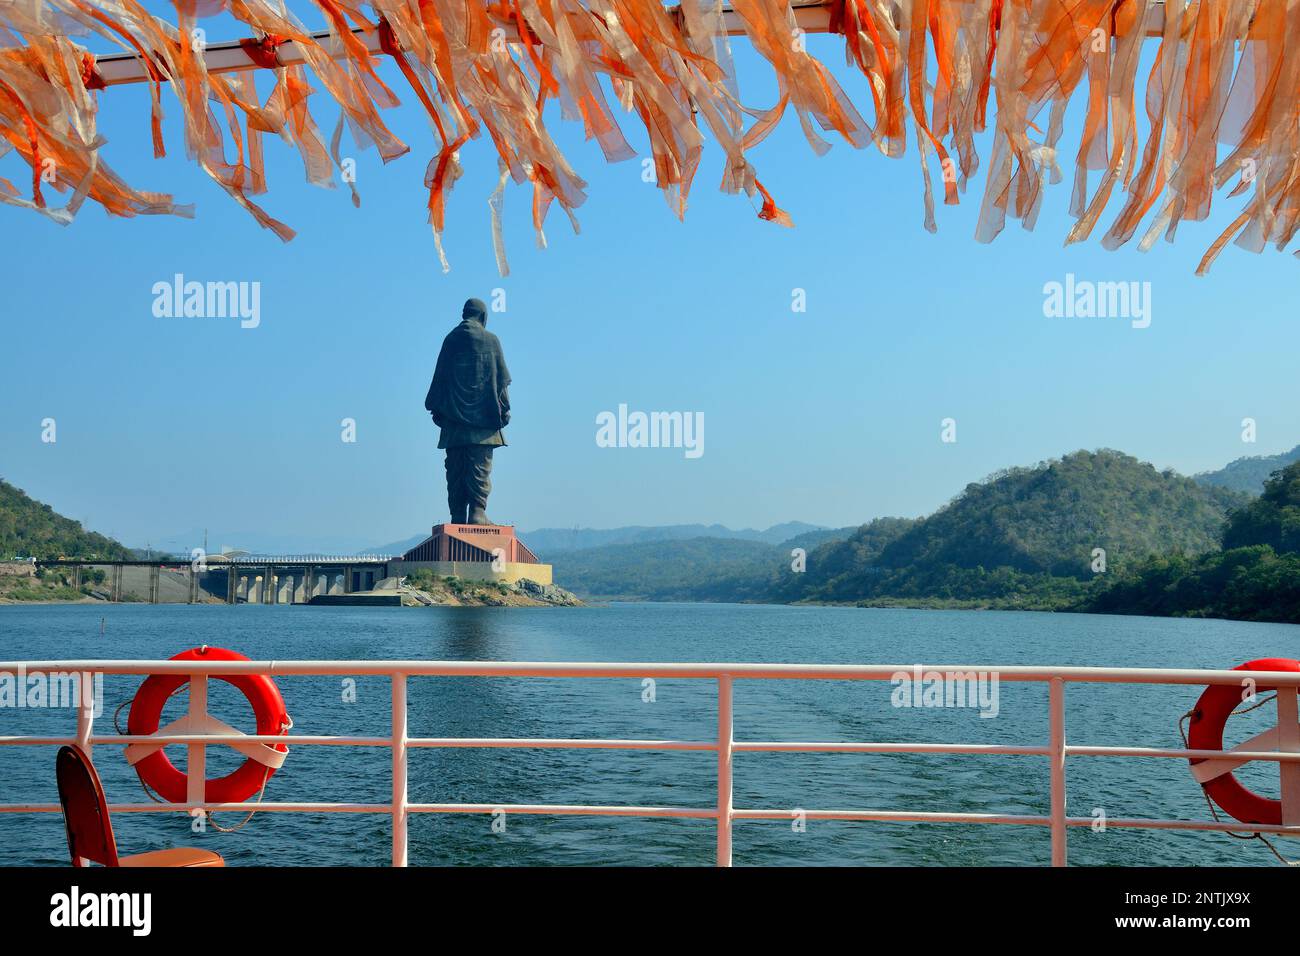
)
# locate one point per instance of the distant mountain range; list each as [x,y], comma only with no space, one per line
[579,539]
[549,540]
[691,569]
[1026,537]
[1249,474]
[1244,474]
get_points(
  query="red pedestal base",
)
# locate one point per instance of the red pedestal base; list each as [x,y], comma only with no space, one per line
[472,542]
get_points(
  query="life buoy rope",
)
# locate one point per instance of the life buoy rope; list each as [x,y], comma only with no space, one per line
[1201,728]
[210,816]
[157,773]
[1214,811]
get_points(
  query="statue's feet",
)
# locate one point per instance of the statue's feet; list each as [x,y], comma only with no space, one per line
[479,516]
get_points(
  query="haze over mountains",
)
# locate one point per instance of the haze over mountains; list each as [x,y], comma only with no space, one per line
[1244,474]
[700,568]
[545,540]
[1054,535]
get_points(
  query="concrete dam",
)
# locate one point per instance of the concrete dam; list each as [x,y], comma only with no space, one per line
[470,552]
[286,580]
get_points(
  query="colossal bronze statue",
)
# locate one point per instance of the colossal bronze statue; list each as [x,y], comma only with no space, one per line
[468,400]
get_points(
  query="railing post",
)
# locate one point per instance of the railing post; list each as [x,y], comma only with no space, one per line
[1288,741]
[85,711]
[196,762]
[725,741]
[399,770]
[1056,707]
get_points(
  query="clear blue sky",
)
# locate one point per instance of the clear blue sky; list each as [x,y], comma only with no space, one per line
[168,426]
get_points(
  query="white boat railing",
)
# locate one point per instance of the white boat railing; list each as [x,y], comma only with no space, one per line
[1054,749]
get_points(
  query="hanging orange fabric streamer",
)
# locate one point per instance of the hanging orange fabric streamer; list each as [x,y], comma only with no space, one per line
[1217,108]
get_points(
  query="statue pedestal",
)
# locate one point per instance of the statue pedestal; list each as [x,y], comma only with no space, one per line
[475,552]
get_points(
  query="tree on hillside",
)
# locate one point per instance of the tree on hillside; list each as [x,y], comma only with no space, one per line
[1272,519]
[29,528]
[1256,577]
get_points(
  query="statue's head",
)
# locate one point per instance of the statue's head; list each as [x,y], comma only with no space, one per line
[475,309]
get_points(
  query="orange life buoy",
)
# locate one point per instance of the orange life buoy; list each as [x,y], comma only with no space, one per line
[1206,733]
[159,773]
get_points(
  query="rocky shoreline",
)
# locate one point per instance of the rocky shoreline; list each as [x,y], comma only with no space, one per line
[454,592]
[439,592]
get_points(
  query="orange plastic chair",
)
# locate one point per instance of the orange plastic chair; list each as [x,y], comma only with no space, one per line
[90,832]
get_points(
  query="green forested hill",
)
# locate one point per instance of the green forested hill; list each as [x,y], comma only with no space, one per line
[1256,577]
[844,570]
[1272,519]
[29,528]
[663,570]
[696,569]
[1025,537]
[1249,474]
[1050,517]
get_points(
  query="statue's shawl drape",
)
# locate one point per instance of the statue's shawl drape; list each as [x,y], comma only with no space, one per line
[471,381]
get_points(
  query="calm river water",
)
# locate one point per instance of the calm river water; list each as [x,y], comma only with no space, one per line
[681,709]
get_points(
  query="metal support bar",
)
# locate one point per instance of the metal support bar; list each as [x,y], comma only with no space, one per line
[1010,673]
[1288,741]
[196,764]
[1056,707]
[85,712]
[399,770]
[725,742]
[724,813]
[230,57]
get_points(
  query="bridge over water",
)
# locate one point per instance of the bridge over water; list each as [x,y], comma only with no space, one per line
[246,579]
